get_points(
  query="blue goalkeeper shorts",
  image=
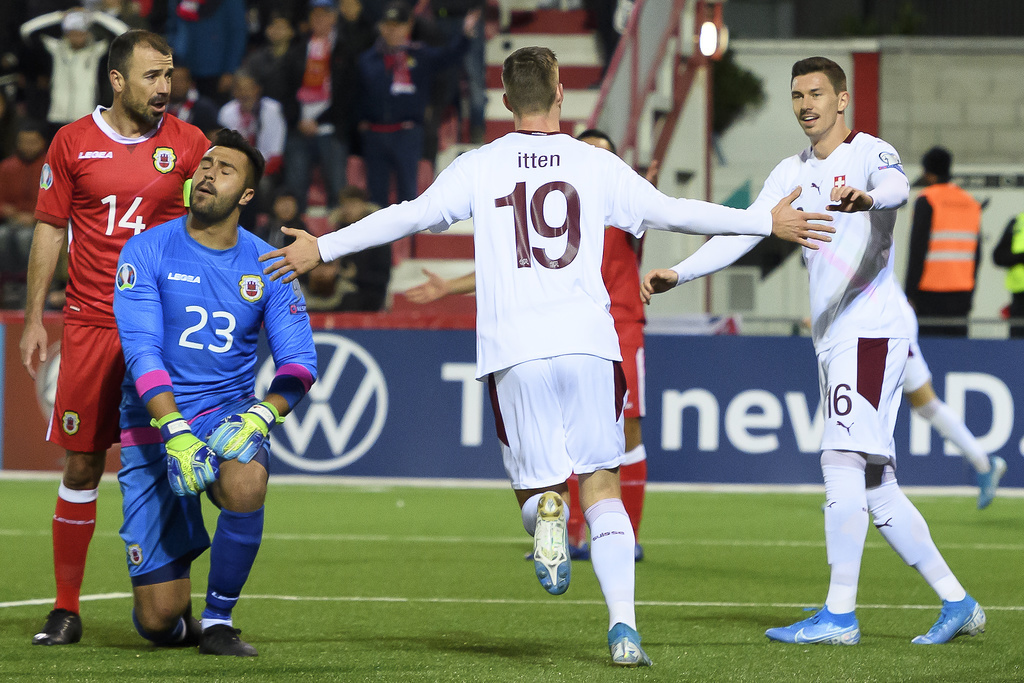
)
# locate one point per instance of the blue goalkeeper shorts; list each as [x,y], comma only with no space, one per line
[163,532]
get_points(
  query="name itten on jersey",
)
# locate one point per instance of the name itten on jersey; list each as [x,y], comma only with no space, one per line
[534,160]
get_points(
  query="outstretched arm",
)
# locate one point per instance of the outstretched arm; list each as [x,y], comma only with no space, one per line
[436,287]
[716,254]
[380,227]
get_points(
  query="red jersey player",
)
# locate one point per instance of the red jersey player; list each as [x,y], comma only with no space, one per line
[108,176]
[620,270]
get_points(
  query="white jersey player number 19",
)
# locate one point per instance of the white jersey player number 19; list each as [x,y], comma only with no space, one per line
[517,200]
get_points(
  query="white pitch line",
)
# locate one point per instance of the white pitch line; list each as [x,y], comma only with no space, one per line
[513,601]
[517,540]
[378,484]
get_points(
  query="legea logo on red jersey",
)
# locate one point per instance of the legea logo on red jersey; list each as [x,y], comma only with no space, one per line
[95,155]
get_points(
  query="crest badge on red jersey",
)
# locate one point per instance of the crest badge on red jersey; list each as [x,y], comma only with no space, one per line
[251,287]
[70,422]
[163,159]
[839,181]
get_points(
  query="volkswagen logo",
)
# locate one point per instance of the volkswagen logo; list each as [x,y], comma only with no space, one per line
[342,416]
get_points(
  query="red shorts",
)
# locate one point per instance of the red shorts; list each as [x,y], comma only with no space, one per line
[631,345]
[86,409]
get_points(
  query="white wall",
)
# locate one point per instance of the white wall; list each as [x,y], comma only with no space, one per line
[755,144]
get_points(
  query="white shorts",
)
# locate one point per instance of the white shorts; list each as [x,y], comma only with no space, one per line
[860,382]
[556,416]
[918,374]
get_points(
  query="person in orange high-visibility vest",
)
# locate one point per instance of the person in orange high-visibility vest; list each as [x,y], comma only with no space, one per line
[944,250]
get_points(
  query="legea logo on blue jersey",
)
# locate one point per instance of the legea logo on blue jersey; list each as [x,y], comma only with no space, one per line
[344,413]
[126,276]
[184,277]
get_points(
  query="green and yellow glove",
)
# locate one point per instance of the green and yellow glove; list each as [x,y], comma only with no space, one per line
[191,465]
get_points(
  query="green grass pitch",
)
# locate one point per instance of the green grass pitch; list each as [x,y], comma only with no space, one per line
[402,583]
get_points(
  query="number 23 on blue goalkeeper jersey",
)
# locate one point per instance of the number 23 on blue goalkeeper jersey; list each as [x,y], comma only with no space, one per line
[195,313]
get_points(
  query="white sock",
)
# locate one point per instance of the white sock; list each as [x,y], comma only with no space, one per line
[846,527]
[905,530]
[76,496]
[951,427]
[207,623]
[530,513]
[611,553]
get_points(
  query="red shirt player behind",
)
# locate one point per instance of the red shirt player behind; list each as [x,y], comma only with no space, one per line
[108,176]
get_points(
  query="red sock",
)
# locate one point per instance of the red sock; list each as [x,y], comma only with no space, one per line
[577,526]
[73,525]
[634,481]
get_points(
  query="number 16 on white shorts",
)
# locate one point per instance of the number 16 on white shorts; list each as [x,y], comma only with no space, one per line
[861,388]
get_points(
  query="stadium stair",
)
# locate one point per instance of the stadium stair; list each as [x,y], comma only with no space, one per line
[570,36]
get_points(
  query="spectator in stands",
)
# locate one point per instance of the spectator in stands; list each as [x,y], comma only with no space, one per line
[318,131]
[450,16]
[260,120]
[283,213]
[209,37]
[189,105]
[395,80]
[356,34]
[358,282]
[19,187]
[274,65]
[127,11]
[8,126]
[77,59]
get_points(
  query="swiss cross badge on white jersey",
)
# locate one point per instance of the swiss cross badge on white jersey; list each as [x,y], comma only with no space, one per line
[839,181]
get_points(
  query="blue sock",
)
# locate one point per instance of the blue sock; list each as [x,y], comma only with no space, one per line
[168,637]
[232,553]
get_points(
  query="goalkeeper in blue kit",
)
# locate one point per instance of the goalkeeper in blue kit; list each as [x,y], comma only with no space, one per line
[190,300]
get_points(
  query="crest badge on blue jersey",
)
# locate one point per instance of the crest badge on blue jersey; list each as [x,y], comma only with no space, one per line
[46,178]
[126,276]
[251,288]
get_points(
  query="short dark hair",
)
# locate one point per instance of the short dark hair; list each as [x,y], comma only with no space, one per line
[812,65]
[232,139]
[122,47]
[938,161]
[600,135]
[530,77]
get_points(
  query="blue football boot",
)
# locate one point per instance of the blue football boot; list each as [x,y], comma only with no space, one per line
[964,618]
[823,627]
[989,481]
[624,644]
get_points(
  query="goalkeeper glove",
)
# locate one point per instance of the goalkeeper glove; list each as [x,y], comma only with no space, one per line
[191,465]
[242,436]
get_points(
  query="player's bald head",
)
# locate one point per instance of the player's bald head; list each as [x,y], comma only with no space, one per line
[530,77]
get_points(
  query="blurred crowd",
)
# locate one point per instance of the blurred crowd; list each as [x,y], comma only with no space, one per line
[309,82]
